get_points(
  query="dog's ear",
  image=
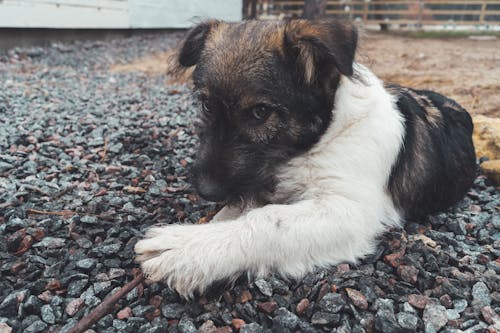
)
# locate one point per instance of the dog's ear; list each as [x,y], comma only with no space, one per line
[194,43]
[316,46]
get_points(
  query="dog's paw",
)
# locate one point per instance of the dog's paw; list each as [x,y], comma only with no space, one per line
[188,258]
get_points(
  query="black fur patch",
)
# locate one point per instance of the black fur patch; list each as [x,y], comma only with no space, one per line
[437,164]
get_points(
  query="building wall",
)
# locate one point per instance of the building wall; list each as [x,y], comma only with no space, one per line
[114,14]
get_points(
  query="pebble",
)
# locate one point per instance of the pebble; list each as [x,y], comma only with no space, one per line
[302,306]
[47,314]
[37,326]
[332,302]
[480,295]
[86,264]
[407,321]
[73,306]
[357,298]
[173,311]
[251,328]
[435,315]
[324,318]
[408,273]
[50,243]
[267,307]
[285,319]
[208,327]
[418,301]
[264,287]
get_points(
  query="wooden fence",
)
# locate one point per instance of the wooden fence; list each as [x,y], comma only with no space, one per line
[407,12]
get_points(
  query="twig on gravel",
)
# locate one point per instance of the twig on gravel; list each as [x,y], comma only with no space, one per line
[64,191]
[46,212]
[105,151]
[105,307]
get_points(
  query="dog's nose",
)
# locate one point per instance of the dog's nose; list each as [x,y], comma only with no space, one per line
[211,191]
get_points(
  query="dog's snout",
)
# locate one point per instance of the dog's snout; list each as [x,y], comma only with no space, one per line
[211,190]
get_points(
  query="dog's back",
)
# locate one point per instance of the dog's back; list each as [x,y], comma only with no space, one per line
[436,165]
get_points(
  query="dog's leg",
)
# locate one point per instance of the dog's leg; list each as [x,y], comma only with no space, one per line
[291,239]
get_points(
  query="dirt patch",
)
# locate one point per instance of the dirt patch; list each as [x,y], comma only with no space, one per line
[156,64]
[465,70]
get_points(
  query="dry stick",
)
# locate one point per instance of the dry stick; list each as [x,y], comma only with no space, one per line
[46,212]
[105,307]
[105,151]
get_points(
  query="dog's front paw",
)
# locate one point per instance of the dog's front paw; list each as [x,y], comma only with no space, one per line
[188,258]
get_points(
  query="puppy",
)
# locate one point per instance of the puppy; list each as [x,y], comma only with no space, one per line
[312,154]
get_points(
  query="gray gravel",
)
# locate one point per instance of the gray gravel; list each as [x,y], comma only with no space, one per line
[89,159]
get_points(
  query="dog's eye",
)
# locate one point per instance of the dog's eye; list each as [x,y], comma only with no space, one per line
[261,112]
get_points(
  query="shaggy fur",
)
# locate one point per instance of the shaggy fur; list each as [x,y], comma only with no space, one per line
[312,154]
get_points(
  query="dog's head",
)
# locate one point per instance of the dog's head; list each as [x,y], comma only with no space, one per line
[266,92]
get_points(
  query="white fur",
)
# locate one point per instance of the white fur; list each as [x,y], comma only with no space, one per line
[330,204]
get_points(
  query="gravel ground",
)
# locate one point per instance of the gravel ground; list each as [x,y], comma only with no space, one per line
[89,159]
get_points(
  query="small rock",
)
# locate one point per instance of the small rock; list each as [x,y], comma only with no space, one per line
[332,302]
[208,327]
[385,320]
[124,313]
[264,287]
[324,318]
[435,315]
[267,307]
[173,311]
[302,306]
[47,314]
[452,314]
[86,264]
[103,287]
[285,319]
[9,306]
[245,296]
[4,328]
[116,273]
[418,301]
[424,239]
[109,249]
[36,326]
[357,298]
[186,326]
[490,316]
[446,301]
[251,328]
[407,321]
[224,329]
[142,310]
[394,259]
[50,243]
[480,295]
[343,268]
[460,305]
[73,306]
[237,323]
[458,227]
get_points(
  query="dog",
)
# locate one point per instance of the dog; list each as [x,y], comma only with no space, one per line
[313,156]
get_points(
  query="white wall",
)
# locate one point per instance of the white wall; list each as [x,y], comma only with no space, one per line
[181,13]
[114,14]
